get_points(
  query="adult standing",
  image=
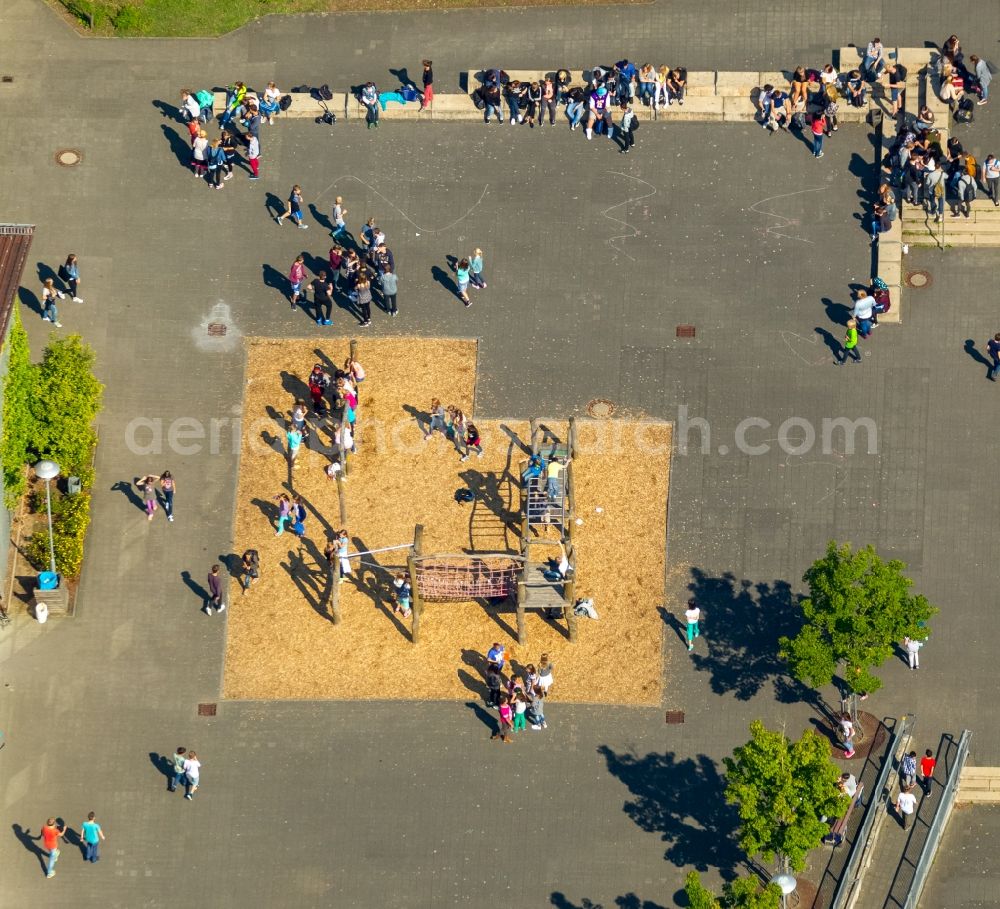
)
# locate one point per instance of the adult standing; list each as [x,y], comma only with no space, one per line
[49,295]
[343,547]
[177,766]
[496,656]
[70,273]
[863,312]
[984,77]
[91,834]
[228,144]
[906,805]
[390,287]
[993,349]
[845,727]
[215,592]
[168,487]
[322,297]
[192,772]
[52,832]
[427,77]
[991,177]
[897,86]
[253,157]
[908,771]
[912,648]
[216,159]
[693,616]
[364,299]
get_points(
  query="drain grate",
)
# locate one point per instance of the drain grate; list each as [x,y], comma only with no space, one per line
[601,408]
[919,279]
[207,709]
[675,717]
[68,157]
[217,329]
[7,79]
[685,331]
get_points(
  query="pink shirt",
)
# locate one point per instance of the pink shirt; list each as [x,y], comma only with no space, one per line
[505,714]
[297,273]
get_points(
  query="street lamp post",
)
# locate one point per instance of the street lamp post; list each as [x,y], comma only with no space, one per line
[786,883]
[48,471]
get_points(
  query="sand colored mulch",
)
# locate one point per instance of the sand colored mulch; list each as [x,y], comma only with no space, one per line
[281,641]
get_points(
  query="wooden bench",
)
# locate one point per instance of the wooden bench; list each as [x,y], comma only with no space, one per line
[838,830]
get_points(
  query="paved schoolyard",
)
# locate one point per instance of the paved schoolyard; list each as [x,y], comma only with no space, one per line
[592,264]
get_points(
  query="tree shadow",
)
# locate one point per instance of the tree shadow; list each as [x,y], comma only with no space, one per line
[681,800]
[974,352]
[837,313]
[274,279]
[30,843]
[195,588]
[128,490]
[741,626]
[178,145]
[444,279]
[832,344]
[628,901]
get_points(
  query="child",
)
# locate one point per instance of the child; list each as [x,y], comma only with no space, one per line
[284,511]
[299,515]
[355,370]
[493,683]
[343,545]
[49,294]
[339,213]
[476,269]
[251,569]
[506,721]
[472,441]
[294,444]
[437,416]
[520,709]
[402,594]
[293,209]
[850,344]
[538,709]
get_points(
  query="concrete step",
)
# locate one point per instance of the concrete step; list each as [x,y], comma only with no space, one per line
[980,798]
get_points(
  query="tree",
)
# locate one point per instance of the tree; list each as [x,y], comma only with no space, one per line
[742,893]
[782,788]
[67,398]
[858,609]
[18,422]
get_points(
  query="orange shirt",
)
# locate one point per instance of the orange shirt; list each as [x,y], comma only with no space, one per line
[50,837]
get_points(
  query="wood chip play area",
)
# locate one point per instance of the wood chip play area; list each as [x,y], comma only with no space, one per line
[282,642]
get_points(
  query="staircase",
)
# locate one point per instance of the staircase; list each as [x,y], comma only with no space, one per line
[980,230]
[539,591]
[979,784]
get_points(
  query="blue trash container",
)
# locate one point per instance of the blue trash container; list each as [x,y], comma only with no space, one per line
[48,580]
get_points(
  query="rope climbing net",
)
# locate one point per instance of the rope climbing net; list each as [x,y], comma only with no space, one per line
[467,577]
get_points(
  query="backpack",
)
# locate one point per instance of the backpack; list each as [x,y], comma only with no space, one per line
[635,123]
[285,102]
[883,301]
[325,93]
[966,111]
[971,166]
[879,284]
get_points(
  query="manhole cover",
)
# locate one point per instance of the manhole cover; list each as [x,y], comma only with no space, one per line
[600,408]
[217,329]
[674,717]
[686,331]
[207,709]
[68,157]
[919,279]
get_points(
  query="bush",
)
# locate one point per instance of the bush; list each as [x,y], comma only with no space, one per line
[130,20]
[66,400]
[70,519]
[18,425]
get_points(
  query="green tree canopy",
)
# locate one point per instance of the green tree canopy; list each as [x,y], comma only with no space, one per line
[67,398]
[18,423]
[781,789]
[858,609]
[742,893]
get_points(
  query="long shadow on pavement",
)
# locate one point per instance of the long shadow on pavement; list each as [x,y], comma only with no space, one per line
[30,842]
[628,901]
[681,799]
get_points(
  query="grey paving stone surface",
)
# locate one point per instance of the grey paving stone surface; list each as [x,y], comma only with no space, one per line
[746,237]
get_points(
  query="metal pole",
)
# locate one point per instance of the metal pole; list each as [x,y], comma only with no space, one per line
[52,546]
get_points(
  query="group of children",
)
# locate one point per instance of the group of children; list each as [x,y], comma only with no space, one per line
[451,423]
[520,700]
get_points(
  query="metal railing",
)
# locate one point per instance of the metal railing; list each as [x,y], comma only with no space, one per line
[880,792]
[938,825]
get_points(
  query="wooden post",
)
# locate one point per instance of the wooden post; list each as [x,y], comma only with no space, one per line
[342,498]
[416,598]
[342,453]
[520,613]
[569,597]
[571,439]
[534,433]
[335,593]
[354,348]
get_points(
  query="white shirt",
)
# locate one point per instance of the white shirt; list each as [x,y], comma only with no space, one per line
[692,615]
[851,785]
[828,78]
[191,103]
[874,50]
[863,307]
[272,94]
[192,768]
[907,801]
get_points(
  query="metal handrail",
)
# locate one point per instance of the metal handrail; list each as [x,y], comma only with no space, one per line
[852,872]
[938,825]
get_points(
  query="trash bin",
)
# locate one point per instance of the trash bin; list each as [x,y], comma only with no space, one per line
[41,613]
[48,580]
[73,485]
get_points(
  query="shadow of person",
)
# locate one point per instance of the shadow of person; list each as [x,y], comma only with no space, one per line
[274,279]
[476,661]
[671,621]
[422,417]
[974,352]
[444,279]
[168,110]
[321,219]
[833,345]
[404,78]
[487,718]
[837,313]
[178,145]
[293,385]
[678,798]
[315,264]
[45,271]
[304,575]
[232,563]
[30,299]
[163,764]
[274,205]
[30,842]
[128,490]
[195,588]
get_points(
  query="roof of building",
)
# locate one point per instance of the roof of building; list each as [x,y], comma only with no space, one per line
[15,241]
